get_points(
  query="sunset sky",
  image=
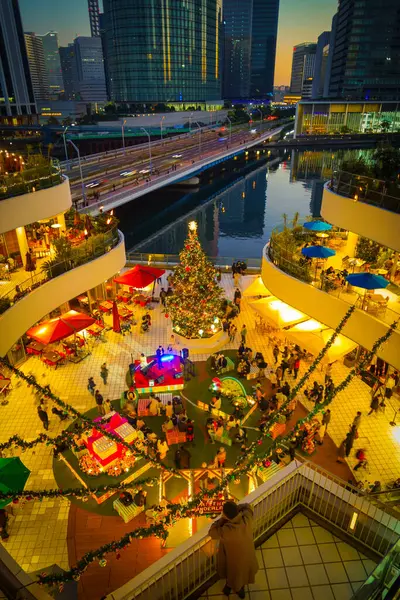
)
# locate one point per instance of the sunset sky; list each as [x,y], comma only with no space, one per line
[299,21]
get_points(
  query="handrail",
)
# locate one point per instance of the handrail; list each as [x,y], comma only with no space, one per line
[90,252]
[171,260]
[30,180]
[368,190]
[290,262]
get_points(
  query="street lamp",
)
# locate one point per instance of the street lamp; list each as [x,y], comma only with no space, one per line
[261,117]
[65,147]
[199,138]
[230,128]
[190,121]
[123,134]
[80,170]
[161,124]
[148,135]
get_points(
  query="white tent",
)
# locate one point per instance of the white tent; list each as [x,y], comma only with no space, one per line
[256,288]
[276,311]
[313,336]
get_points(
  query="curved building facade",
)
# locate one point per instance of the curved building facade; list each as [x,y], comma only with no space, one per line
[164,50]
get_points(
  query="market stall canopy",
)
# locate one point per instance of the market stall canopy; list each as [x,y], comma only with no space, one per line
[317,226]
[278,312]
[315,340]
[367,281]
[256,288]
[13,477]
[318,252]
[61,327]
[140,276]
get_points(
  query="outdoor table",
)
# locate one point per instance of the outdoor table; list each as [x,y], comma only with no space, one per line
[377,298]
[322,235]
[124,313]
[95,330]
[106,306]
[382,271]
[35,347]
[124,297]
[51,358]
[142,299]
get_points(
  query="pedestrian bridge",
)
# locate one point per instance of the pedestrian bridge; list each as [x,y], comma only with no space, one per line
[208,159]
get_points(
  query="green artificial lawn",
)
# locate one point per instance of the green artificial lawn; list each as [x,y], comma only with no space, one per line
[201,450]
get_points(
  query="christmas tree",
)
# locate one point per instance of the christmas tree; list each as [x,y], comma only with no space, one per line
[196,305]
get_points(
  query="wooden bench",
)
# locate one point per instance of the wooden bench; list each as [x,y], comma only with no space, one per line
[127,512]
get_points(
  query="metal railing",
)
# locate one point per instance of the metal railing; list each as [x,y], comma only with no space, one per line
[171,260]
[191,566]
[291,262]
[366,189]
[30,180]
[84,254]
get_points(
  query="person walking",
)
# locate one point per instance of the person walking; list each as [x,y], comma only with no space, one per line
[328,373]
[362,459]
[291,360]
[374,406]
[104,373]
[236,278]
[296,367]
[159,354]
[221,457]
[236,559]
[284,367]
[185,458]
[350,437]
[163,295]
[357,420]
[275,353]
[232,332]
[326,419]
[99,401]
[341,454]
[243,334]
[43,416]
[91,386]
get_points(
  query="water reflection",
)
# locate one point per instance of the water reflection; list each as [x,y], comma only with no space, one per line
[236,208]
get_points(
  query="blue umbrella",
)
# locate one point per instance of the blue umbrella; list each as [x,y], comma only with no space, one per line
[367,281]
[317,226]
[318,252]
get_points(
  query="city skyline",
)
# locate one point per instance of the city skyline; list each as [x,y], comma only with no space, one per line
[294,26]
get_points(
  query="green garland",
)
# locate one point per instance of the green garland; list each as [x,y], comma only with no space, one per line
[31,381]
[83,492]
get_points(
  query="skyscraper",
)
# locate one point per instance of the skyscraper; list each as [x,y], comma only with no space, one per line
[249,47]
[83,70]
[37,66]
[366,51]
[68,70]
[303,69]
[321,64]
[94,13]
[16,91]
[52,62]
[163,51]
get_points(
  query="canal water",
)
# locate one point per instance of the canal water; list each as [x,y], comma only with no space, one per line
[235,205]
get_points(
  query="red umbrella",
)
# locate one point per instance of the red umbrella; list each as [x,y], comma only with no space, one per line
[60,328]
[140,276]
[116,322]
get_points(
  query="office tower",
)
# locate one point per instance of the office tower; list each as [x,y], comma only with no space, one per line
[104,48]
[16,90]
[303,69]
[37,66]
[366,51]
[91,81]
[52,62]
[162,51]
[249,47]
[94,13]
[321,63]
[68,70]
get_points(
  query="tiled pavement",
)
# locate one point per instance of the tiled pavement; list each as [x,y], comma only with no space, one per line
[304,561]
[44,524]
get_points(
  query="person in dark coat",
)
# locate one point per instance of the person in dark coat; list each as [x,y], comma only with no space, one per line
[43,416]
[326,419]
[182,458]
[236,559]
[374,406]
[349,442]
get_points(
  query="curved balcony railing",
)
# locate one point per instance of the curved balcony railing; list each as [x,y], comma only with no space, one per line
[366,189]
[88,251]
[30,180]
[293,263]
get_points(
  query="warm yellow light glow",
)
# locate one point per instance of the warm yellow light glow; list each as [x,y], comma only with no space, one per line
[56,226]
[353,520]
[201,331]
[216,320]
[286,312]
[396,433]
[310,325]
[192,225]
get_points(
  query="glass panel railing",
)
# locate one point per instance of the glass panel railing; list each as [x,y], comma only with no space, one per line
[170,260]
[384,579]
[87,252]
[30,180]
[384,194]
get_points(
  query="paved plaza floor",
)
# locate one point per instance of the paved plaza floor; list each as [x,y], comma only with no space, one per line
[39,530]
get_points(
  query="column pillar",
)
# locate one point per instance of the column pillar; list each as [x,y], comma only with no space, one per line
[61,220]
[352,240]
[22,243]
